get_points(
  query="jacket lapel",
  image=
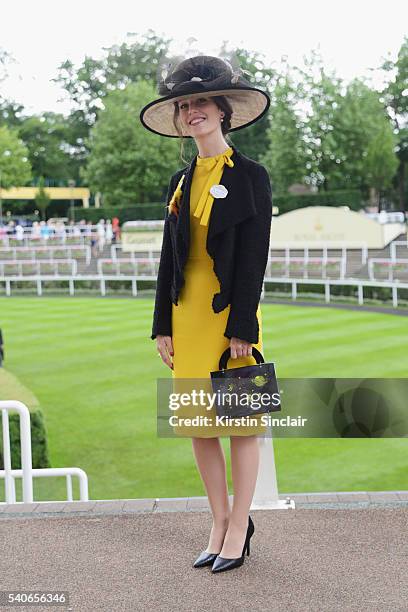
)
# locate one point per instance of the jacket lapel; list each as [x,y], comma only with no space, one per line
[239,204]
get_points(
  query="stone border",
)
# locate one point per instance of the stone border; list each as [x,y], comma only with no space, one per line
[335,500]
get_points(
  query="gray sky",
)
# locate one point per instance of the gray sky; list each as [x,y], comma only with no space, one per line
[352,35]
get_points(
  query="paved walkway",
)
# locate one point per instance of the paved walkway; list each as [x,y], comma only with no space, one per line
[137,555]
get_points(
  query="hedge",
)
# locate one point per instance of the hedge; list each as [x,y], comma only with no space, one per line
[285,203]
[12,389]
[155,210]
[288,202]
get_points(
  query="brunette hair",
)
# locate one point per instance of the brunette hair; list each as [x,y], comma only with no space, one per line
[223,104]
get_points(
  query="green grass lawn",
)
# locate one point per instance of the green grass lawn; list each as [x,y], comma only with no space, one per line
[93,367]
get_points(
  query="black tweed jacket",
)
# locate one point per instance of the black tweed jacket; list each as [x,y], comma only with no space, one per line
[237,240]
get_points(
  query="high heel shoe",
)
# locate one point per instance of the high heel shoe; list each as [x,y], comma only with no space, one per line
[221,564]
[205,558]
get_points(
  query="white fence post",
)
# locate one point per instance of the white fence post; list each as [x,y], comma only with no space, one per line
[266,489]
[25,441]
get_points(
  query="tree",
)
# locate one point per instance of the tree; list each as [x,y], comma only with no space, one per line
[41,198]
[5,58]
[127,63]
[360,123]
[10,111]
[321,91]
[15,167]
[127,163]
[137,59]
[46,137]
[285,155]
[395,95]
[253,140]
[381,161]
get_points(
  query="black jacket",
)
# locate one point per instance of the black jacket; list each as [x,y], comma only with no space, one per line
[237,241]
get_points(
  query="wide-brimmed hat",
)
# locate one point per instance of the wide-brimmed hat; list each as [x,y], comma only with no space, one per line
[203,75]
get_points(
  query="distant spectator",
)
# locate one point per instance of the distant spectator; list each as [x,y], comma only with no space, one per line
[100,229]
[82,226]
[45,230]
[60,231]
[88,228]
[11,228]
[70,228]
[77,231]
[94,241]
[108,232]
[35,231]
[19,232]
[116,229]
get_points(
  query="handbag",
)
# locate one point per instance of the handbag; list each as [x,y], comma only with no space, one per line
[238,391]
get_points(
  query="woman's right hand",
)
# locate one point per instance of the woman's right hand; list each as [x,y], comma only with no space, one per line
[165,349]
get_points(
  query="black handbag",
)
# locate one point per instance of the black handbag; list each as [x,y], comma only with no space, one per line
[247,390]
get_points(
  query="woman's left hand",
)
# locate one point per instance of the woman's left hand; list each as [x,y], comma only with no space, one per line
[240,348]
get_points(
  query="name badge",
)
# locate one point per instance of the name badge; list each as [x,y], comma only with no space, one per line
[219,191]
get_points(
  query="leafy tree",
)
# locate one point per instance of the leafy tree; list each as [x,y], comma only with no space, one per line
[252,140]
[15,167]
[127,63]
[5,58]
[321,91]
[135,60]
[11,113]
[127,163]
[395,95]
[359,121]
[41,198]
[285,156]
[46,140]
[381,161]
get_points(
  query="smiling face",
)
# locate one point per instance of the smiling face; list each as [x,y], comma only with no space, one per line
[199,116]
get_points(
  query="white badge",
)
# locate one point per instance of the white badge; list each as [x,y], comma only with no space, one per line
[219,191]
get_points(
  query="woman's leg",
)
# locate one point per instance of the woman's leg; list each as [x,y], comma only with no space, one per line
[210,460]
[244,471]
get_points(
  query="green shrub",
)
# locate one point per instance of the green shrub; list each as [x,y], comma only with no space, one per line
[12,389]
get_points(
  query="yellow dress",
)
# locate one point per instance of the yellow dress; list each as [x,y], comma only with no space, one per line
[198,332]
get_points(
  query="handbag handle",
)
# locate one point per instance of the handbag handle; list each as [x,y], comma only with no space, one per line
[227,355]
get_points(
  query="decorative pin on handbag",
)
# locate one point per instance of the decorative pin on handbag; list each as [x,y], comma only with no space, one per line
[247,390]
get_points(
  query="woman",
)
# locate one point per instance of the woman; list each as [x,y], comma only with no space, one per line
[213,259]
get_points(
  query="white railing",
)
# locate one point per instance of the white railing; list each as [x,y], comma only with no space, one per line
[289,247]
[13,252]
[325,247]
[395,245]
[390,265]
[307,264]
[133,279]
[27,473]
[35,266]
[150,265]
[133,255]
[32,241]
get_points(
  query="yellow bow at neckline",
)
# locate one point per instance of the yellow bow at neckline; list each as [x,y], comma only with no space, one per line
[206,200]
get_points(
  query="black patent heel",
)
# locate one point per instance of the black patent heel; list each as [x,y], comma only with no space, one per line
[222,564]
